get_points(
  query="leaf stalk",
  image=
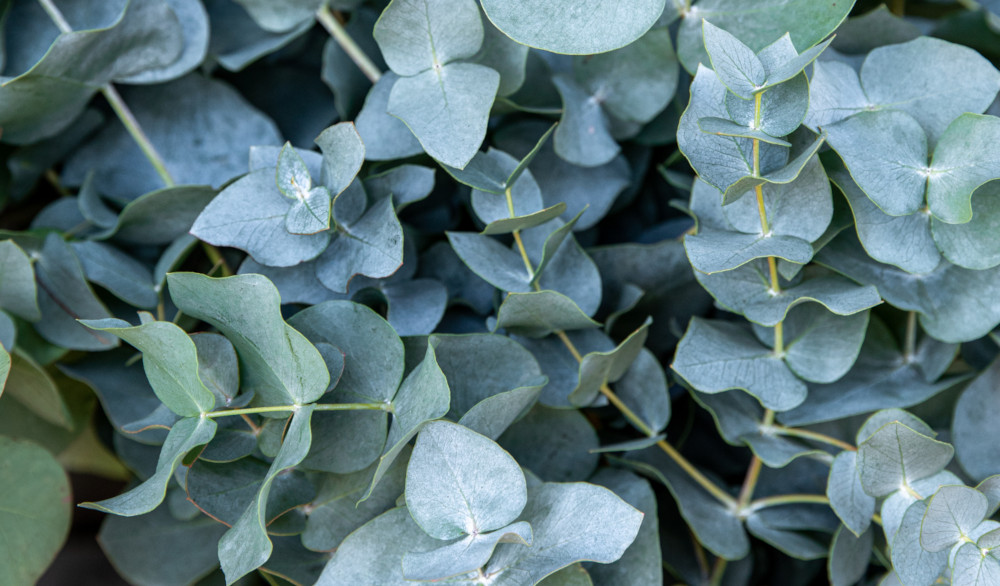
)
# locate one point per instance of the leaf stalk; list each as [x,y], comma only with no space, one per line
[356,54]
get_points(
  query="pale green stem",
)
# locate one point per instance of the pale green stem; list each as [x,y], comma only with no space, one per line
[910,343]
[784,499]
[772,265]
[810,435]
[333,26]
[613,398]
[137,133]
[292,408]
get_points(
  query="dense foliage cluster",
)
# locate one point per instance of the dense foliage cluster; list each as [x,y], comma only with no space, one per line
[504,292]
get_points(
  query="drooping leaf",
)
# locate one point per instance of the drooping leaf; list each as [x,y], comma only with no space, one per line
[34,509]
[422,397]
[555,444]
[161,216]
[781,527]
[739,419]
[186,435]
[246,546]
[122,275]
[566,27]
[64,297]
[715,525]
[281,366]
[144,548]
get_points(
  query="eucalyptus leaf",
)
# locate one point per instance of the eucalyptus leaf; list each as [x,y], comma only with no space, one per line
[463,556]
[758,25]
[447,108]
[18,291]
[555,512]
[950,80]
[849,557]
[635,82]
[484,492]
[717,356]
[896,455]
[375,551]
[597,369]
[948,309]
[45,99]
[972,432]
[186,435]
[716,526]
[280,365]
[911,561]
[847,497]
[538,314]
[170,360]
[246,546]
[596,27]
[953,512]
[204,126]
[249,214]
[385,136]
[422,397]
[35,507]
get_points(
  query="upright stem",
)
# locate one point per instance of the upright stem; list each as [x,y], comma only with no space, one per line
[336,30]
[721,495]
[753,473]
[133,127]
[772,265]
[138,134]
[910,343]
